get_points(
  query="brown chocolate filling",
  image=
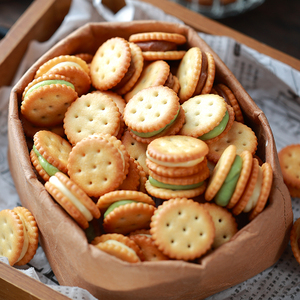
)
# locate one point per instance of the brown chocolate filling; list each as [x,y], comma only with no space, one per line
[170,81]
[222,94]
[127,76]
[157,46]
[203,75]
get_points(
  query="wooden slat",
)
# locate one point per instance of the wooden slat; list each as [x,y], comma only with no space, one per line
[39,22]
[204,24]
[15,285]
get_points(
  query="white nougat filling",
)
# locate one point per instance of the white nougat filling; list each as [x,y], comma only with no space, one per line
[26,241]
[66,64]
[114,242]
[256,192]
[58,184]
[178,164]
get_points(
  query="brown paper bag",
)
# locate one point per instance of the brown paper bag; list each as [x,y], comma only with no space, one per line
[75,262]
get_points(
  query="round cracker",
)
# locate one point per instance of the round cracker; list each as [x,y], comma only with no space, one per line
[289,159]
[110,63]
[182,229]
[240,135]
[91,114]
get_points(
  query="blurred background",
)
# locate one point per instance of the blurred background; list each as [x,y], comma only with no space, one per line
[275,23]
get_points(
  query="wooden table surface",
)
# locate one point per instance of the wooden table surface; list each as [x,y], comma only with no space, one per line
[275,23]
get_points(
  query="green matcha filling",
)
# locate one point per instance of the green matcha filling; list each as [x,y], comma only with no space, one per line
[117,204]
[49,169]
[153,133]
[48,82]
[175,187]
[217,130]
[226,191]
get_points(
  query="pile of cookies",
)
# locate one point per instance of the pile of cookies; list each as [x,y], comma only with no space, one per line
[142,138]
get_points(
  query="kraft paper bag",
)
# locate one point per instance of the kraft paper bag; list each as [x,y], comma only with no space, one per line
[257,246]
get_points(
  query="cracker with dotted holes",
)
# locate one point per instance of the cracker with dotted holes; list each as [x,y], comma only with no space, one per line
[91,114]
[96,165]
[202,114]
[225,224]
[128,217]
[110,63]
[240,135]
[182,229]
[119,100]
[47,104]
[153,74]
[151,109]
[188,73]
[289,159]
[136,150]
[170,129]
[53,148]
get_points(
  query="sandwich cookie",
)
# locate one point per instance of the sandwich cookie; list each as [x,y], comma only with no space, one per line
[240,135]
[73,199]
[153,112]
[207,117]
[257,190]
[110,63]
[126,211]
[119,246]
[176,164]
[153,74]
[134,71]
[46,99]
[19,235]
[98,164]
[89,114]
[159,45]
[225,92]
[182,229]
[50,154]
[70,66]
[196,73]
[230,177]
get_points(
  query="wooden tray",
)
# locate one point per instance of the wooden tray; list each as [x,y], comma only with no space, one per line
[39,22]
